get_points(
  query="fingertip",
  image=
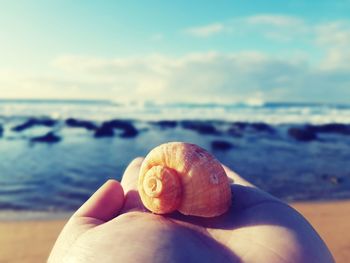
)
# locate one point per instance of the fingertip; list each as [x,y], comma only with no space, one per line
[235,178]
[137,161]
[131,174]
[105,203]
[129,183]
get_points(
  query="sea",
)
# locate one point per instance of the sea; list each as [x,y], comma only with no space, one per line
[259,140]
[254,111]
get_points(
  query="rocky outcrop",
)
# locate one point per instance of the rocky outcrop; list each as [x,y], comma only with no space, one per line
[202,127]
[107,129]
[76,123]
[221,145]
[50,137]
[302,134]
[34,122]
[165,124]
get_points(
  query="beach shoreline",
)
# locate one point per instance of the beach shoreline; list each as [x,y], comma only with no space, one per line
[31,240]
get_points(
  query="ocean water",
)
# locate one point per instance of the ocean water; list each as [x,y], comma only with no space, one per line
[272,113]
[40,176]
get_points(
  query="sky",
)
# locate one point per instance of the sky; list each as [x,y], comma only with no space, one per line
[176,51]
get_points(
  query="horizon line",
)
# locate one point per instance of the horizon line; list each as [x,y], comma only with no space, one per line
[87,100]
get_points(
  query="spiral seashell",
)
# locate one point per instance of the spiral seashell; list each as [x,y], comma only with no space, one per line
[183,177]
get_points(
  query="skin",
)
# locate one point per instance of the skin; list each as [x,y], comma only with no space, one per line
[113,226]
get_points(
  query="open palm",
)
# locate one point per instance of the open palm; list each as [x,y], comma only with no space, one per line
[113,227]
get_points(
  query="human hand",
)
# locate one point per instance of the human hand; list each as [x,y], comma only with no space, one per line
[113,227]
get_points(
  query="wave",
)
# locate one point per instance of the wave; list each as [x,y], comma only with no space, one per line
[251,111]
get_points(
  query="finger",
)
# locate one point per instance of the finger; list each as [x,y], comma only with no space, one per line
[131,174]
[102,206]
[245,193]
[129,183]
[105,203]
[236,178]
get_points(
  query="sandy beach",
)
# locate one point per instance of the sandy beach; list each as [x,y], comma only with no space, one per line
[31,241]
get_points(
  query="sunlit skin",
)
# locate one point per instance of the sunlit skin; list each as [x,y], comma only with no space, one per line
[113,226]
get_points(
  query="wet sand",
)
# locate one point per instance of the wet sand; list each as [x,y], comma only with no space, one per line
[31,241]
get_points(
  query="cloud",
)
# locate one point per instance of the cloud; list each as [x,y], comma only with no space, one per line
[281,28]
[205,31]
[194,77]
[274,20]
[335,38]
[31,85]
[157,37]
[336,33]
[207,76]
[330,38]
[336,59]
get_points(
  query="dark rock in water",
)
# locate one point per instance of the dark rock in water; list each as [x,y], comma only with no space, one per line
[233,131]
[221,145]
[1,130]
[238,128]
[75,123]
[262,127]
[47,138]
[240,125]
[302,134]
[107,129]
[126,126]
[201,127]
[331,128]
[104,131]
[165,124]
[129,133]
[332,179]
[34,122]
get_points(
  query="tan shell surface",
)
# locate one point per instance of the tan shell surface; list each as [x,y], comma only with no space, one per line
[205,189]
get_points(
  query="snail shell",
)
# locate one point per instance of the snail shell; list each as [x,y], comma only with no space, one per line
[183,177]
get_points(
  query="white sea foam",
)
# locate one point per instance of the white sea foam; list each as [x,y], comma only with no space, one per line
[99,111]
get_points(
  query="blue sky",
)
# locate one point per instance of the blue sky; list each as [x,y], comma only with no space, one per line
[222,51]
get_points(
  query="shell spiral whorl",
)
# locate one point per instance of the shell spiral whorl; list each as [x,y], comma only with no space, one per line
[161,189]
[183,177]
